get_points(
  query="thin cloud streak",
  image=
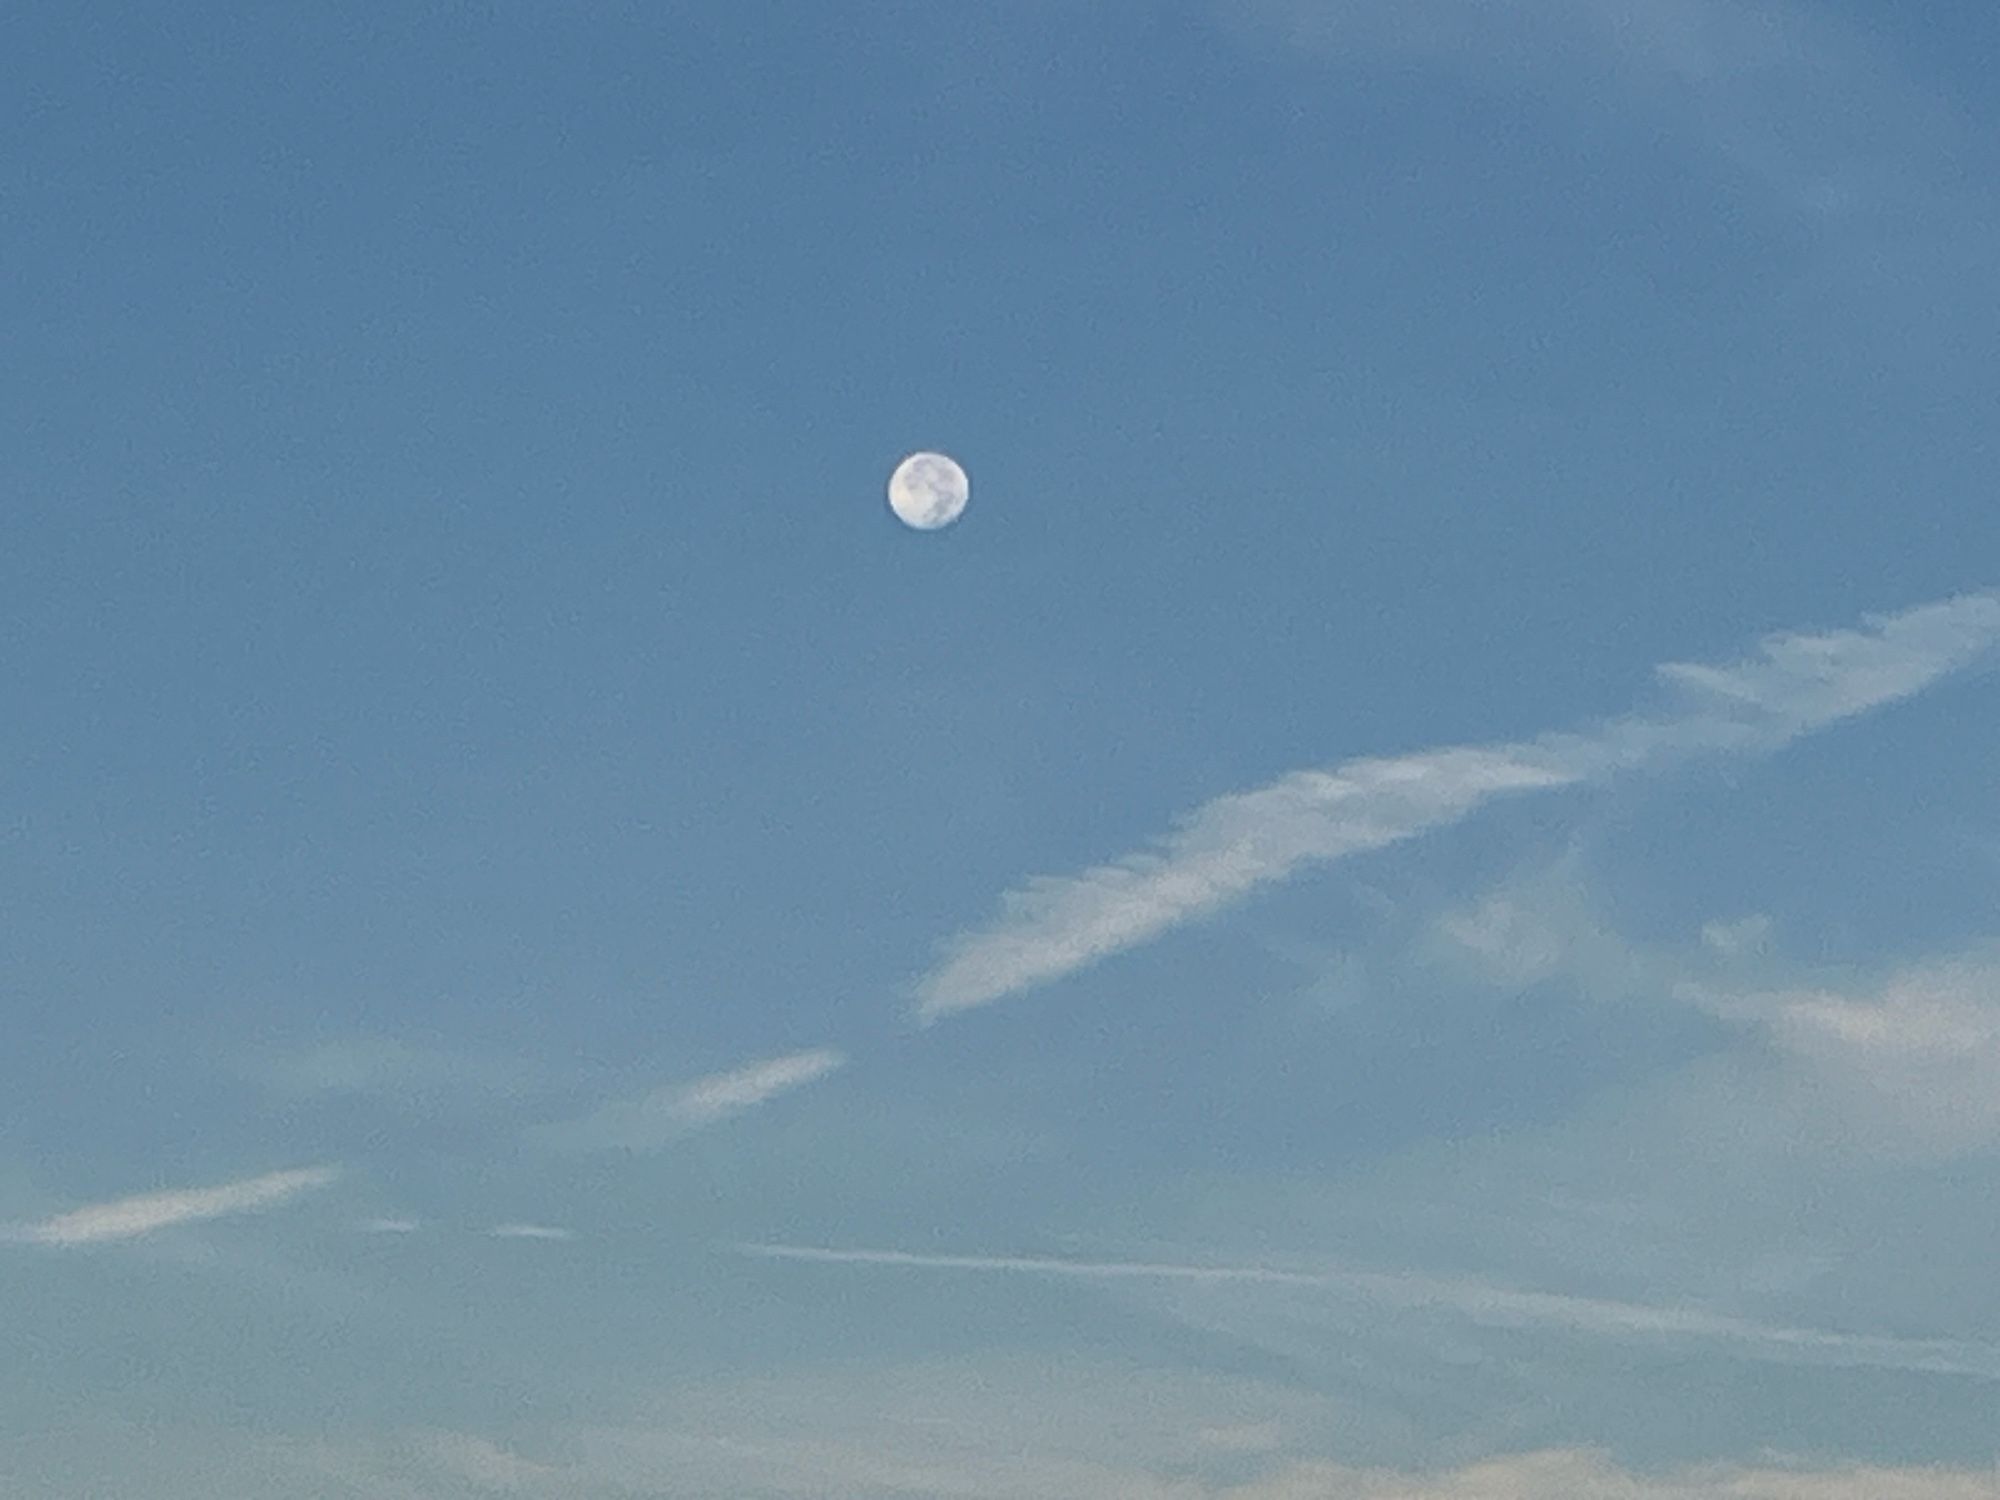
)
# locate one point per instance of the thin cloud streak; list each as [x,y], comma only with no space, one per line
[530,1232]
[721,1095]
[129,1218]
[666,1114]
[1032,1265]
[1478,1301]
[1796,683]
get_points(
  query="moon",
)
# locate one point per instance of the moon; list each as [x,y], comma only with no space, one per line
[928,491]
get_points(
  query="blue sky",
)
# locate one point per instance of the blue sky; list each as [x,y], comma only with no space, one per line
[1404,907]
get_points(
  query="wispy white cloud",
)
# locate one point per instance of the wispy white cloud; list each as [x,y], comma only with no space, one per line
[530,1232]
[1746,935]
[666,1114]
[128,1218]
[1054,926]
[1908,1066]
[1796,683]
[1478,1301]
[1033,1265]
[721,1095]
[1905,1064]
[1542,923]
[387,1226]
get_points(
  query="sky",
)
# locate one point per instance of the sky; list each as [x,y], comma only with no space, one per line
[1404,909]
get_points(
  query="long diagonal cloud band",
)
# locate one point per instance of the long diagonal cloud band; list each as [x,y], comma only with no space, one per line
[128,1218]
[1794,684]
[1478,1301]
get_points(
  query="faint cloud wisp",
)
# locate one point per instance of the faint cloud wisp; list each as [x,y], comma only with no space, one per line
[530,1232]
[1478,1301]
[653,1120]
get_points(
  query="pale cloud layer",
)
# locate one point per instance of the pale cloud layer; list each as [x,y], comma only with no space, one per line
[1567,1474]
[666,1114]
[129,1218]
[890,1449]
[1796,683]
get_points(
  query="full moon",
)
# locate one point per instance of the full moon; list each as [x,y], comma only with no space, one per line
[928,491]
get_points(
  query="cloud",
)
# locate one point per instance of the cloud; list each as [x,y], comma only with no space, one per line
[1543,923]
[128,1218]
[1796,683]
[1572,1474]
[667,1114]
[1111,1449]
[1033,1265]
[1478,1301]
[1057,925]
[1911,1067]
[1039,1426]
[530,1232]
[1247,1437]
[1745,936]
[484,1464]
[387,1226]
[1906,1065]
[724,1094]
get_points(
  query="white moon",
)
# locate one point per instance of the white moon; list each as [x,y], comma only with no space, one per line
[928,491]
